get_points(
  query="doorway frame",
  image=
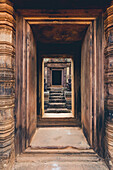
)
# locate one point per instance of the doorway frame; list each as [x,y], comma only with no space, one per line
[72,115]
[38,17]
[33,17]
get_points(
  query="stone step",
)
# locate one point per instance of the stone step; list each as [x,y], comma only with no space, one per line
[56,94]
[57,110]
[58,122]
[57,100]
[69,150]
[69,155]
[57,105]
[56,97]
[56,91]
[59,160]
[52,91]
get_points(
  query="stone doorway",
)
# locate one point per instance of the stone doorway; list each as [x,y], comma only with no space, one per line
[58,87]
[85,64]
[57,77]
[35,47]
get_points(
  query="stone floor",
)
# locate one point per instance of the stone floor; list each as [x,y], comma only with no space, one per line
[59,149]
[62,137]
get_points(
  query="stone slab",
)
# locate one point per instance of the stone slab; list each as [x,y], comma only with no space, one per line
[63,137]
[58,162]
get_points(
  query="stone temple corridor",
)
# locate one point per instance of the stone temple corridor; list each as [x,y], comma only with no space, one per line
[56,84]
[59,149]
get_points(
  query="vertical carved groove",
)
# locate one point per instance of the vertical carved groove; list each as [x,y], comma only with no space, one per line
[7,83]
[108,26]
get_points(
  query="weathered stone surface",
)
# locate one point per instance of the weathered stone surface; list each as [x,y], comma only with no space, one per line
[7,84]
[59,138]
[108,24]
[43,155]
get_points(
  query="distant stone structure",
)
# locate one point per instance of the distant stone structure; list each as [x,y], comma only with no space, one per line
[57,71]
[57,85]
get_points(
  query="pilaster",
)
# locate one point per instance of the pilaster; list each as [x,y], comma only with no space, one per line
[108,26]
[7,83]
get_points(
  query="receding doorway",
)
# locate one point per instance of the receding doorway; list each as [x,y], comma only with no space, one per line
[56,77]
[58,87]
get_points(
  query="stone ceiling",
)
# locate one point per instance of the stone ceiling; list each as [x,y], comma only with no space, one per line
[59,33]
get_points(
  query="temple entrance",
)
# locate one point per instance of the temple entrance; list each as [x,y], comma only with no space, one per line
[58,87]
[68,45]
[56,77]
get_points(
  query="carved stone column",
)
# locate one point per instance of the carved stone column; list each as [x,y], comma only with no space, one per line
[64,76]
[108,24]
[7,83]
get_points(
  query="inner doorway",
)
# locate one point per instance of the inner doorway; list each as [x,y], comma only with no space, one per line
[57,87]
[56,77]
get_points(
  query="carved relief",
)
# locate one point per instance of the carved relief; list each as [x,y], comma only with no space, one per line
[108,24]
[7,83]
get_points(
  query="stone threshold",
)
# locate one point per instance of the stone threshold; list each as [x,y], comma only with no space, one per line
[57,115]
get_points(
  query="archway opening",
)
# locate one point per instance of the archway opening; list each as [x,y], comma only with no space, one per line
[75,40]
[58,88]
